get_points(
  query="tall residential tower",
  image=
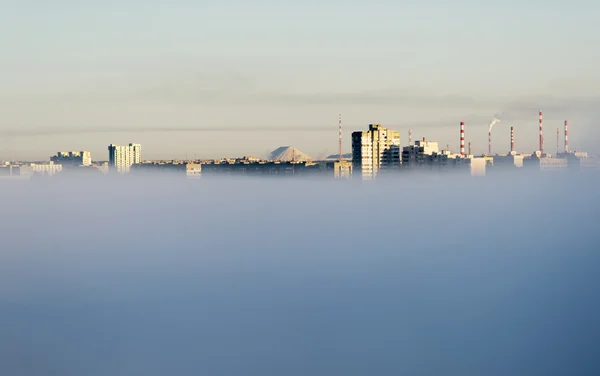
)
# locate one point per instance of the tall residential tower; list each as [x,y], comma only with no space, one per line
[374,151]
[122,157]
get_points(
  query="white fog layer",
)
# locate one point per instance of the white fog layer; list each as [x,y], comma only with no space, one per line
[423,276]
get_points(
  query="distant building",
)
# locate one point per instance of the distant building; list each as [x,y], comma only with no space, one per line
[337,169]
[417,155]
[589,164]
[342,169]
[478,166]
[48,169]
[121,158]
[374,151]
[10,170]
[72,158]
[176,169]
[543,162]
[263,168]
[511,160]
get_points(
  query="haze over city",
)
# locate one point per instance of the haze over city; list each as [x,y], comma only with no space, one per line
[83,76]
[299,188]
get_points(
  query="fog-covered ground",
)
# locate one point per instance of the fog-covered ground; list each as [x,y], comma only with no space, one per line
[416,276]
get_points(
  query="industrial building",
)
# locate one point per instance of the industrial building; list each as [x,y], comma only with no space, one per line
[375,151]
[121,158]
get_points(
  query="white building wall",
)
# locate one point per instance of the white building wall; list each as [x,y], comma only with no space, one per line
[121,157]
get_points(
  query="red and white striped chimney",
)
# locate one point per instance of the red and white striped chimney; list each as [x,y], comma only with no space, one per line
[566,136]
[512,139]
[541,136]
[462,139]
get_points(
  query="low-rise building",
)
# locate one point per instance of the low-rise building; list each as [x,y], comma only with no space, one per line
[72,158]
[176,169]
[337,169]
[48,169]
[511,160]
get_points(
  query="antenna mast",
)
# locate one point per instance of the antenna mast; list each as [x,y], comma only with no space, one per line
[340,136]
[541,135]
[293,159]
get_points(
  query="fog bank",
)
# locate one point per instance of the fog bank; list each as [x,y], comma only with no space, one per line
[440,276]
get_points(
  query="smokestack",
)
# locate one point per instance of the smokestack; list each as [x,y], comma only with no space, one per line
[470,148]
[557,133]
[566,136]
[512,139]
[494,121]
[340,137]
[541,136]
[462,139]
[409,137]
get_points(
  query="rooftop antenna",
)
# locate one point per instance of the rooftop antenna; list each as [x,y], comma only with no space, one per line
[541,136]
[340,136]
[293,159]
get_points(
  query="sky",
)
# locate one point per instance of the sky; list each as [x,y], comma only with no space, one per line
[233,78]
[301,277]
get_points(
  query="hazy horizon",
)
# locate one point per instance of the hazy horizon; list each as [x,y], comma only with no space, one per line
[79,77]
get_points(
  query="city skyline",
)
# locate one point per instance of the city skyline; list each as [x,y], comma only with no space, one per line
[98,74]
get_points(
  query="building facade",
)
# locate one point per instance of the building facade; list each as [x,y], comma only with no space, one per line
[72,158]
[375,151]
[121,158]
[190,170]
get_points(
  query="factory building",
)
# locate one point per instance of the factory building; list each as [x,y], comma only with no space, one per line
[510,161]
[375,151]
[478,166]
[589,164]
[545,162]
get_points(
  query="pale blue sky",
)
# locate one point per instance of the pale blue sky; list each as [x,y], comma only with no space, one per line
[150,69]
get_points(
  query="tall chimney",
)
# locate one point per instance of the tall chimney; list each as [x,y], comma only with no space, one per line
[512,139]
[462,139]
[541,136]
[566,136]
[490,142]
[470,148]
[409,137]
[557,133]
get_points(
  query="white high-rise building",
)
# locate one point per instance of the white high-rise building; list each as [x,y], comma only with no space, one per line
[375,151]
[122,157]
